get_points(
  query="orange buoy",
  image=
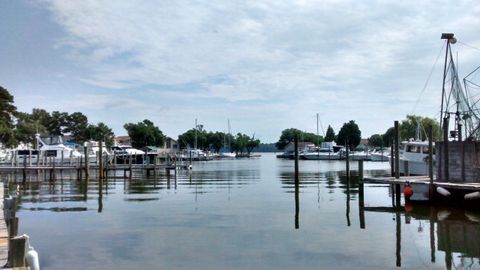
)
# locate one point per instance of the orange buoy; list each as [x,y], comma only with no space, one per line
[407,190]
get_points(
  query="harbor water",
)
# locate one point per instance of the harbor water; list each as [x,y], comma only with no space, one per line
[241,214]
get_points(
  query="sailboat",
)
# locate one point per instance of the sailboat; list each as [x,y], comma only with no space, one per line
[225,154]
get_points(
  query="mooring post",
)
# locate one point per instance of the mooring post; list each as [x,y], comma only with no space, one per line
[406,168]
[347,160]
[100,161]
[430,159]
[85,153]
[397,150]
[297,184]
[24,169]
[360,171]
[16,250]
[445,149]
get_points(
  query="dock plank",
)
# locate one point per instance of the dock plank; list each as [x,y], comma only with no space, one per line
[422,180]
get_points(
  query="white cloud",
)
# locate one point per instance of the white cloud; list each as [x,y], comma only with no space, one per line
[283,59]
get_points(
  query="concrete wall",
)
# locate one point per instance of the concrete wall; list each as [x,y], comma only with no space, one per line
[464,161]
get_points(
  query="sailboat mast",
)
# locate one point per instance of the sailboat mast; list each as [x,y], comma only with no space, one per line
[196,126]
[449,37]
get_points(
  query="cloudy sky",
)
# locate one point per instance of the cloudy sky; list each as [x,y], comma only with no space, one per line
[265,65]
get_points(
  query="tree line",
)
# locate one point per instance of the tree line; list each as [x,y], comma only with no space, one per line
[217,141]
[20,127]
[350,134]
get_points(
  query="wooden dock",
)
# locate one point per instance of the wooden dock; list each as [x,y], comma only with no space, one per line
[423,180]
[3,232]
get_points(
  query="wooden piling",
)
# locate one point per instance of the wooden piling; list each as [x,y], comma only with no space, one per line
[100,160]
[16,251]
[430,160]
[360,170]
[397,151]
[85,152]
[297,184]
[406,168]
[445,150]
[347,160]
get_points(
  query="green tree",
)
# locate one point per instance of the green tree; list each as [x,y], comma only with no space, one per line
[144,134]
[26,128]
[76,124]
[288,135]
[188,138]
[330,136]
[376,140]
[216,140]
[388,137]
[57,123]
[349,133]
[100,132]
[409,126]
[7,113]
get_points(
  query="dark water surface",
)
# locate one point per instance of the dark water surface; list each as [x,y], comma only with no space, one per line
[242,214]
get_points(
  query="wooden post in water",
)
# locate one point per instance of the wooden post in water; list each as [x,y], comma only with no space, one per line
[445,150]
[297,184]
[100,160]
[24,173]
[397,151]
[347,160]
[406,168]
[360,171]
[85,153]
[430,160]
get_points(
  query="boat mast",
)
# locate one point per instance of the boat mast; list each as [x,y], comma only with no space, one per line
[196,126]
[450,39]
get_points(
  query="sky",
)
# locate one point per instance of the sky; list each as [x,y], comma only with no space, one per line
[263,65]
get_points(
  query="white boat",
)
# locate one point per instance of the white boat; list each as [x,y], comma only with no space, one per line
[227,155]
[326,151]
[380,155]
[415,152]
[93,150]
[126,153]
[195,154]
[52,148]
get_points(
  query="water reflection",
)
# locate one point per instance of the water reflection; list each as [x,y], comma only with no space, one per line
[241,220]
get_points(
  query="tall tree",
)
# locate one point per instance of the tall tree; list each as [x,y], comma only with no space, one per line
[349,133]
[216,140]
[145,134]
[57,123]
[7,113]
[409,127]
[288,135]
[100,132]
[376,140]
[76,125]
[188,138]
[330,135]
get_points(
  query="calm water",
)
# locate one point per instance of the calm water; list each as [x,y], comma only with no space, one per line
[242,214]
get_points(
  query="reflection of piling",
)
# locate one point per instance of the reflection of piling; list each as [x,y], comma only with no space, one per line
[398,239]
[361,196]
[432,233]
[297,180]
